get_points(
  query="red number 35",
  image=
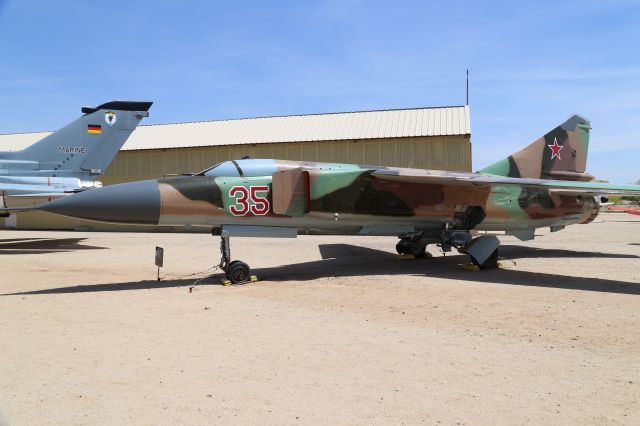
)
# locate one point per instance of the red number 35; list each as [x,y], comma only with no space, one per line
[259,203]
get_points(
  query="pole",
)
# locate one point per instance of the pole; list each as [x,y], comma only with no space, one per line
[467,87]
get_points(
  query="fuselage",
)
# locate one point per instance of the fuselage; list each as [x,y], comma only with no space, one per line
[322,197]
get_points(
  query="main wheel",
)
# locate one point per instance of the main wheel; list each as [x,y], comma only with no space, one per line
[421,254]
[402,247]
[238,272]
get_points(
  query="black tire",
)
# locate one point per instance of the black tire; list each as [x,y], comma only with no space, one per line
[402,247]
[238,272]
[228,268]
[421,255]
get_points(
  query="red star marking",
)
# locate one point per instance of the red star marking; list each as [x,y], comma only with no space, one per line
[555,149]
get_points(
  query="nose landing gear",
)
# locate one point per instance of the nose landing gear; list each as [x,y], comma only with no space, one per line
[236,271]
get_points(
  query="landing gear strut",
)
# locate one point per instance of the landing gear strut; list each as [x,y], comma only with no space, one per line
[236,271]
[482,250]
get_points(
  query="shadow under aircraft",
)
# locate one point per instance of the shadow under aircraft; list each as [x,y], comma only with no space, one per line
[43,245]
[344,260]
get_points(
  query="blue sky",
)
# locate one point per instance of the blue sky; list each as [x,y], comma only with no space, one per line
[533,64]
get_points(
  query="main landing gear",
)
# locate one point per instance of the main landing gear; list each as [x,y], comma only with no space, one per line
[413,244]
[236,271]
[482,250]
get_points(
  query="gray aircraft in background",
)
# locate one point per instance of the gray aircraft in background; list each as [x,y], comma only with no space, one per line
[69,160]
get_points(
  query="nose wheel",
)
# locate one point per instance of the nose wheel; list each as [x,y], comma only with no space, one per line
[237,272]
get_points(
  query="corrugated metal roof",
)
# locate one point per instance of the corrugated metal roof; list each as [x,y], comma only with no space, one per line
[439,121]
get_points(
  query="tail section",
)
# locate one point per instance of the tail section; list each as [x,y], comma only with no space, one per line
[89,143]
[561,154]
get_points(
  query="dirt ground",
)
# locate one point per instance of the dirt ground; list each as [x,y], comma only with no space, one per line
[337,330]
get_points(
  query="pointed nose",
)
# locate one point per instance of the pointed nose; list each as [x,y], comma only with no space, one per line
[134,202]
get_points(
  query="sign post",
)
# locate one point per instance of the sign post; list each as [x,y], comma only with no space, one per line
[159,259]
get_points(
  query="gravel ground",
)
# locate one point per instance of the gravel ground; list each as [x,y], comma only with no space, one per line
[336,330]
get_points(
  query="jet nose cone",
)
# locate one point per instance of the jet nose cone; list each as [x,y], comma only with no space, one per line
[135,202]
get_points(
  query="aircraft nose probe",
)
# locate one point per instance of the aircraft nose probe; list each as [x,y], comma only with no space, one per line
[134,202]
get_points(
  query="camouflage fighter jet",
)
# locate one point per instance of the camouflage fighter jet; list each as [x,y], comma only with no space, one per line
[69,160]
[543,185]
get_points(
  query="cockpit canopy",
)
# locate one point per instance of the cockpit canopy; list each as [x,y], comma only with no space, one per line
[250,167]
[245,167]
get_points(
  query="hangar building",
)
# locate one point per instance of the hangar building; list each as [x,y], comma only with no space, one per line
[433,138]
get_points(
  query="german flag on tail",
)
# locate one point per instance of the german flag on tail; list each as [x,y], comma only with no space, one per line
[94,128]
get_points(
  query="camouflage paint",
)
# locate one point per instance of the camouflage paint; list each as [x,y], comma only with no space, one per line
[516,193]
